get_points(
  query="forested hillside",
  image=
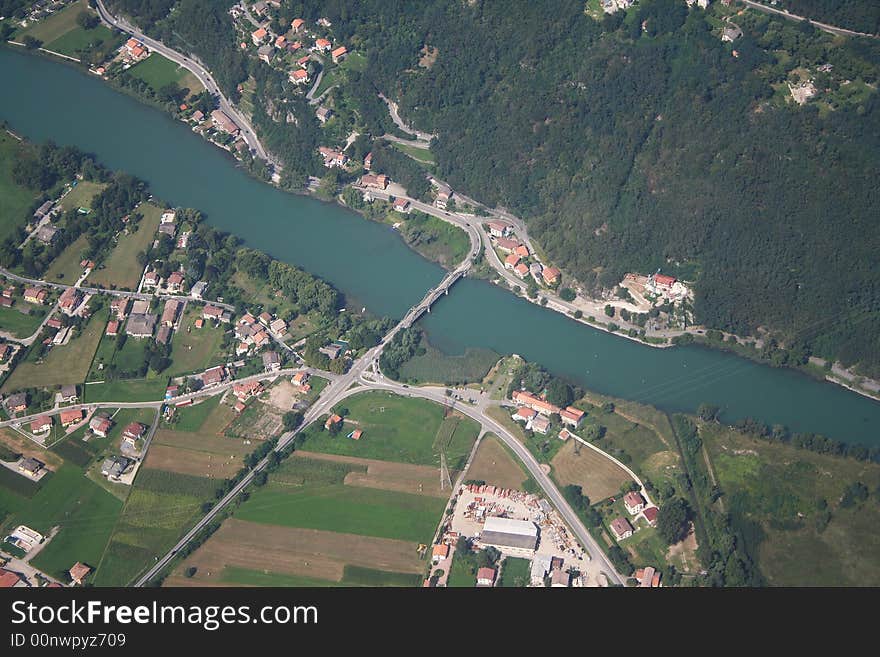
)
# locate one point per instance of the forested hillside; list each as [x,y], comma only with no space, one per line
[858,15]
[639,142]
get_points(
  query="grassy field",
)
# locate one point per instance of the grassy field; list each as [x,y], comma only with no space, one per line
[436,367]
[192,349]
[598,476]
[19,324]
[133,390]
[121,269]
[157,71]
[515,573]
[778,487]
[436,239]
[84,512]
[395,428]
[66,268]
[15,200]
[495,465]
[65,363]
[420,155]
[77,39]
[56,25]
[82,195]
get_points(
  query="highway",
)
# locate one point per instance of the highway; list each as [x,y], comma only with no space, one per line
[831,29]
[197,69]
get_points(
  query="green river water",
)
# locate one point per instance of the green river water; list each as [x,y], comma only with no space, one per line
[369,262]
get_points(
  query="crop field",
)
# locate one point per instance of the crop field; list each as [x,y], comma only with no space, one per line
[82,195]
[777,487]
[259,421]
[65,268]
[56,25]
[495,465]
[400,429]
[599,477]
[65,363]
[240,551]
[131,390]
[121,269]
[79,39]
[15,200]
[158,71]
[22,319]
[192,349]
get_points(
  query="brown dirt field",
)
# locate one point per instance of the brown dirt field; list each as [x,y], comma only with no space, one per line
[283,395]
[290,550]
[400,477]
[190,462]
[494,465]
[596,475]
[202,442]
[18,443]
[684,554]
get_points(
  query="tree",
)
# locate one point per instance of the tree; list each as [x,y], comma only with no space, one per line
[672,520]
[609,310]
[87,21]
[567,294]
[708,412]
[291,420]
[559,393]
[32,43]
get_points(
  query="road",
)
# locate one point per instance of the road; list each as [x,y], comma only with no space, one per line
[400,123]
[197,69]
[832,29]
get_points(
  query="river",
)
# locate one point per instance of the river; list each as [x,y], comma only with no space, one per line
[369,262]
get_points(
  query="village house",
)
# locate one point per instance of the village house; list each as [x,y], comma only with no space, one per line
[114,466]
[78,573]
[572,416]
[299,76]
[54,323]
[31,466]
[214,376]
[506,245]
[47,234]
[525,398]
[332,421]
[535,270]
[499,229]
[621,528]
[332,158]
[223,122]
[402,205]
[521,270]
[522,251]
[648,577]
[511,261]
[198,290]
[265,318]
[244,391]
[35,295]
[368,161]
[379,181]
[134,431]
[5,352]
[259,35]
[634,502]
[486,577]
[332,351]
[100,425]
[174,283]
[168,217]
[297,24]
[356,434]
[265,53]
[169,314]
[651,515]
[44,210]
[112,328]
[70,416]
[5,301]
[281,42]
[301,381]
[323,114]
[551,275]
[559,578]
[278,326]
[41,424]
[163,335]
[69,299]
[151,279]
[322,45]
[17,402]
[9,579]
[119,306]
[68,393]
[524,414]
[439,553]
[541,425]
[141,325]
[271,361]
[339,54]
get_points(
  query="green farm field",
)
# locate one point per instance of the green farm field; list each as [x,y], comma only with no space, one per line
[158,71]
[121,269]
[15,200]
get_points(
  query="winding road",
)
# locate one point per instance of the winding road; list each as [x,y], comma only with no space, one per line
[832,29]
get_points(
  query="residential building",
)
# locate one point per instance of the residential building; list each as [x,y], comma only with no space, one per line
[223,122]
[648,577]
[297,24]
[213,376]
[524,414]
[278,326]
[78,572]
[47,234]
[551,275]
[526,398]
[100,425]
[322,45]
[43,210]
[17,402]
[572,416]
[69,299]
[115,466]
[9,579]
[332,351]
[379,181]
[271,361]
[141,325]
[559,578]
[112,328]
[265,53]
[70,416]
[499,229]
[212,312]
[175,281]
[332,421]
[486,577]
[541,425]
[332,158]
[339,54]
[151,279]
[35,295]
[634,502]
[651,515]
[511,261]
[163,335]
[300,379]
[356,434]
[198,290]
[119,305]
[246,390]
[324,114]
[621,528]
[521,270]
[68,393]
[134,431]
[31,466]
[368,161]
[439,553]
[140,306]
[402,205]
[259,35]
[169,314]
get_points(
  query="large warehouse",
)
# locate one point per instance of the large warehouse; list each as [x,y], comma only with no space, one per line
[509,533]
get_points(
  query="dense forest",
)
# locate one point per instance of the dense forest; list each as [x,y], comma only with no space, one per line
[858,15]
[638,143]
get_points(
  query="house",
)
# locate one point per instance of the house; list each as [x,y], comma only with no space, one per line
[525,398]
[54,323]
[511,261]
[522,251]
[69,299]
[239,407]
[281,42]
[648,577]
[524,414]
[36,295]
[564,435]
[541,425]
[332,421]
[439,553]
[322,45]
[323,114]
[332,351]
[134,431]
[621,528]
[551,275]
[535,270]
[198,290]
[9,579]
[572,416]
[247,319]
[212,312]
[499,229]
[47,234]
[339,54]
[223,122]
[402,205]
[379,181]
[112,328]
[78,572]
[68,393]
[5,352]
[260,338]
[271,361]
[278,326]
[175,282]
[100,425]
[141,325]
[300,379]
[259,8]
[634,502]
[265,53]
[486,577]
[169,314]
[559,578]
[163,335]
[115,466]
[5,302]
[303,61]
[119,305]
[17,402]
[244,391]
[31,466]
[151,279]
[506,245]
[356,434]
[521,270]
[198,116]
[368,161]
[297,24]
[43,210]
[651,515]
[323,22]
[168,217]
[332,158]
[265,318]
[140,306]
[259,35]
[731,33]
[41,424]
[213,376]
[70,416]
